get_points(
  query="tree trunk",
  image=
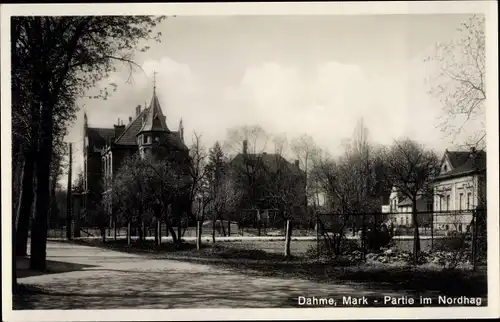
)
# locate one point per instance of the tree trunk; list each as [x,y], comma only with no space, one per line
[229,228]
[416,234]
[175,240]
[129,231]
[114,227]
[198,234]
[222,225]
[39,229]
[258,222]
[158,232]
[213,230]
[24,205]
[288,237]
[103,233]
[14,257]
[179,228]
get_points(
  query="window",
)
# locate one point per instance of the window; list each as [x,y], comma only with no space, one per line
[461,200]
[448,202]
[469,200]
[460,228]
[441,203]
[445,168]
[429,205]
[446,227]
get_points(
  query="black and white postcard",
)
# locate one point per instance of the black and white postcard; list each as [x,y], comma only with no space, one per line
[215,161]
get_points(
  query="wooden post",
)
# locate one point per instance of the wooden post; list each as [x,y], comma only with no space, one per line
[317,237]
[474,239]
[288,237]
[68,194]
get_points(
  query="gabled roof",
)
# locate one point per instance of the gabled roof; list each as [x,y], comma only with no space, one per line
[99,136]
[457,158]
[465,163]
[154,120]
[269,160]
[128,137]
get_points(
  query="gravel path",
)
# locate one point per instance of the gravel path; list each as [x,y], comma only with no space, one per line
[93,278]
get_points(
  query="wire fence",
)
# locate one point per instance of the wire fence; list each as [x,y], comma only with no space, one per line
[458,236]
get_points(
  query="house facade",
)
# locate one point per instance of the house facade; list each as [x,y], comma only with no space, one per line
[104,149]
[459,188]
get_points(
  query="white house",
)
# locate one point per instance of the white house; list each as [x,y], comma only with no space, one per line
[400,209]
[459,188]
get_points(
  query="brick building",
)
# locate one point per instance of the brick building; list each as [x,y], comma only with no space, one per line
[105,148]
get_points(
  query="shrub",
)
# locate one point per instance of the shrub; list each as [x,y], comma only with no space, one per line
[455,242]
[376,239]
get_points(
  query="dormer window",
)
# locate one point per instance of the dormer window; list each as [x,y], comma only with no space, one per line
[445,168]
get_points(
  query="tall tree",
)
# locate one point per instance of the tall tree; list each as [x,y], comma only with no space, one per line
[305,149]
[284,188]
[250,142]
[63,57]
[411,169]
[460,81]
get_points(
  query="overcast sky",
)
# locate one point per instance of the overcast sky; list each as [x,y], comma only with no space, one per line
[289,74]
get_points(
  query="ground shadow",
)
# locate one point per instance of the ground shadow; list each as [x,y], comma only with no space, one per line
[53,267]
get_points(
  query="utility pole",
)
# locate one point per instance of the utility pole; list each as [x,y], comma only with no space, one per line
[68,200]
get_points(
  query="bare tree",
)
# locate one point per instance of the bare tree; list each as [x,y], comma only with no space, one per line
[411,169]
[460,80]
[128,192]
[283,186]
[250,143]
[305,149]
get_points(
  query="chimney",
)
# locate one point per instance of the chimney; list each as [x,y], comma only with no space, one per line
[119,128]
[137,110]
[130,119]
[297,164]
[245,147]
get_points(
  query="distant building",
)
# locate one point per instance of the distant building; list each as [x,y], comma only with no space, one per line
[459,188]
[262,167]
[104,149]
[400,209]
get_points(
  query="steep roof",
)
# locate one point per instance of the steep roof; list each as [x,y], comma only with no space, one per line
[129,135]
[457,158]
[154,120]
[99,136]
[464,163]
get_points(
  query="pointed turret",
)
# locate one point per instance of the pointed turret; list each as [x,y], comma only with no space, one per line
[154,120]
[154,130]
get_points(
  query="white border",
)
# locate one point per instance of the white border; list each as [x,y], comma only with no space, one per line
[489,8]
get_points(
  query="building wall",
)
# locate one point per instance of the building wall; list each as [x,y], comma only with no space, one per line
[93,180]
[458,196]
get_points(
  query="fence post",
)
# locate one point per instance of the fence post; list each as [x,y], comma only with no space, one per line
[317,237]
[363,236]
[474,239]
[432,231]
